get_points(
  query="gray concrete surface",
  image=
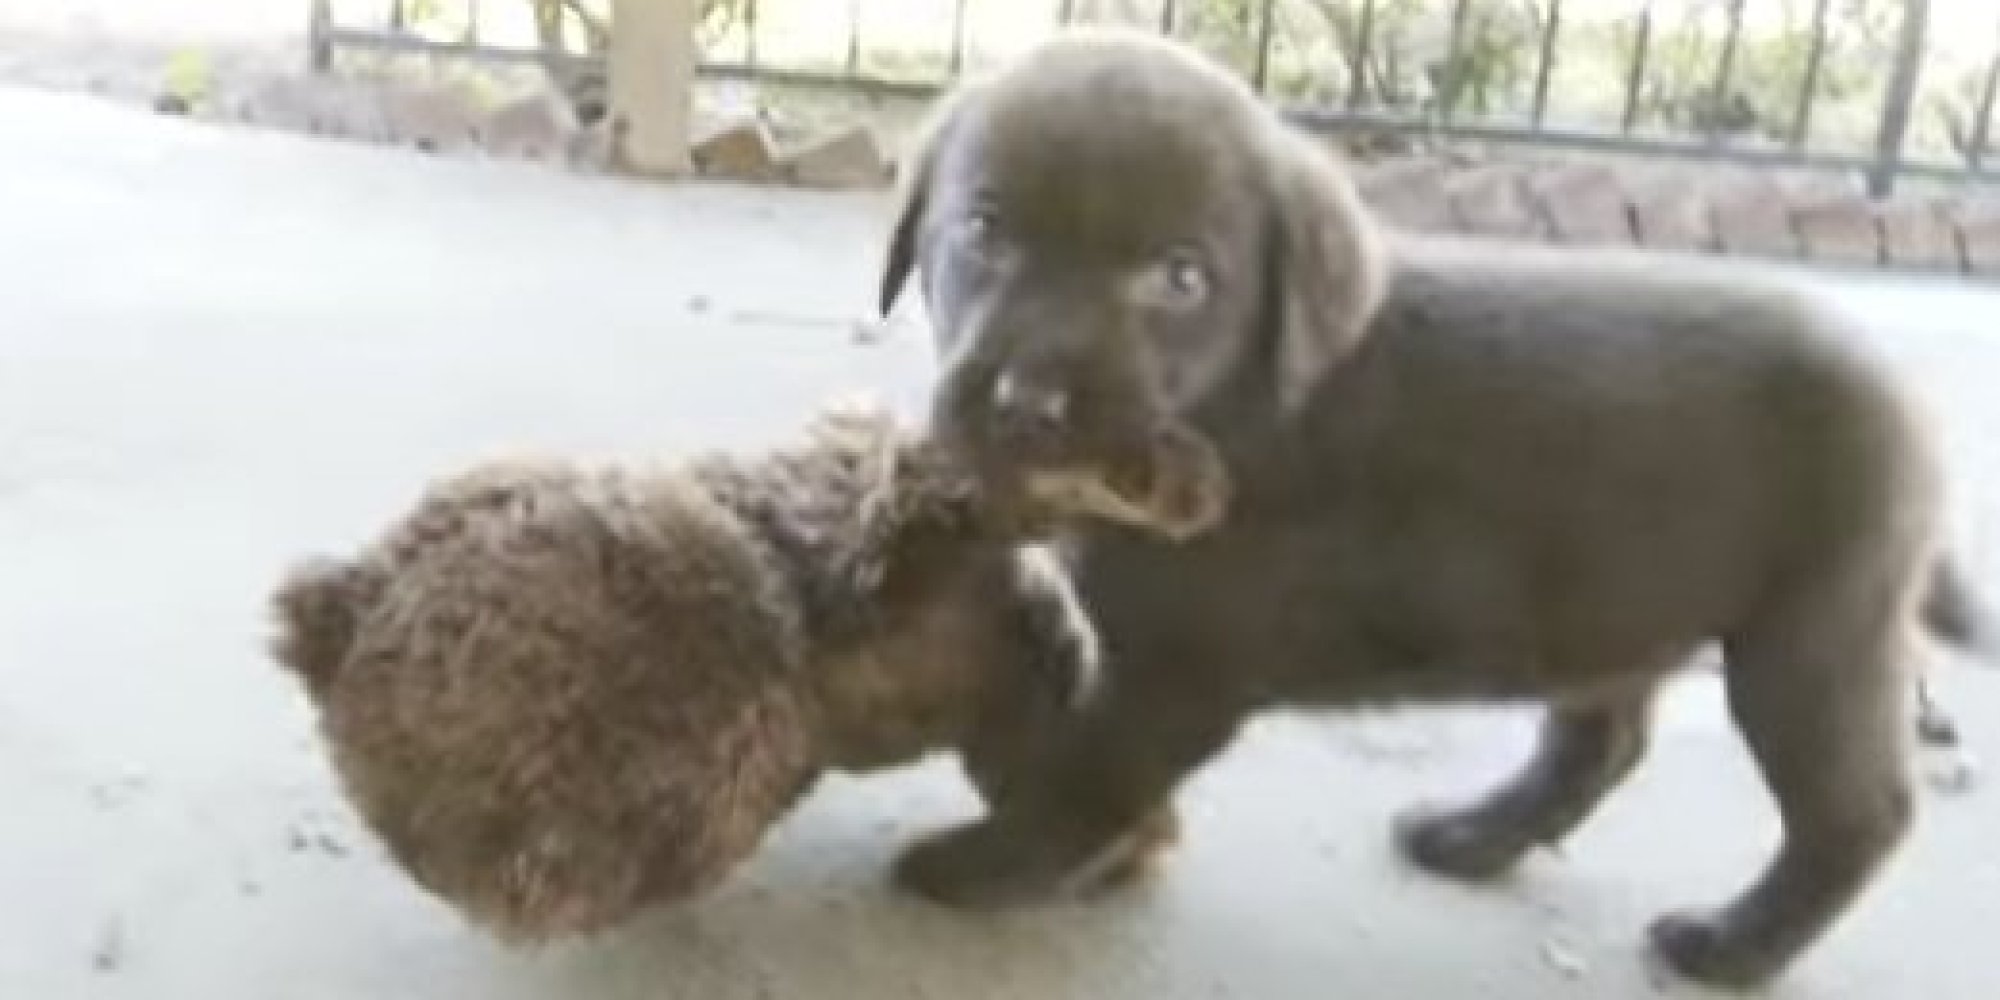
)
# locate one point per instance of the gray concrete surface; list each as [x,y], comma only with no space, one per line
[219,350]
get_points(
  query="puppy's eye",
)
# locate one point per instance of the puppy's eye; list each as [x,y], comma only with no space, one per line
[977,227]
[1176,283]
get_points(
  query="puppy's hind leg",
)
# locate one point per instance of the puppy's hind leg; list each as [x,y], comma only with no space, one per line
[1822,701]
[1585,751]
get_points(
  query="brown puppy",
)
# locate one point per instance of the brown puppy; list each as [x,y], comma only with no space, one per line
[562,693]
[1460,474]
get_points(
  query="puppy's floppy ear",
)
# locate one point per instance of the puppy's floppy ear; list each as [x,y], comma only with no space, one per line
[913,183]
[1331,266]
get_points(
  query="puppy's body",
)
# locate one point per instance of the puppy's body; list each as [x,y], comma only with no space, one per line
[1528,482]
[1459,472]
[561,693]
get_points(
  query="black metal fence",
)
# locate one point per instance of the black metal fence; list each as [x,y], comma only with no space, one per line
[1741,81]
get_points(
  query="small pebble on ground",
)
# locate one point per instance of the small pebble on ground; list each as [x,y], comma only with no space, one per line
[109,954]
[1954,773]
[1564,959]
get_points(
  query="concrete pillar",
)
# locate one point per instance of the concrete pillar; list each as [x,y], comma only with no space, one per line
[651,81]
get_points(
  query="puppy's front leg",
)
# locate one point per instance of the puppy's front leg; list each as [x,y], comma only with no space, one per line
[1091,811]
[998,768]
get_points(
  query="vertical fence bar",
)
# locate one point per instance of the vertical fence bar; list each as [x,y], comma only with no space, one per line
[1546,67]
[1725,70]
[1461,11]
[1635,78]
[1169,15]
[552,28]
[1357,74]
[1982,127]
[1065,12]
[750,33]
[853,38]
[1809,84]
[957,37]
[1260,73]
[319,37]
[1899,97]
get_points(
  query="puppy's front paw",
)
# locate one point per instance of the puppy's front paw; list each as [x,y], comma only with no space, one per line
[1459,844]
[979,866]
[1707,951]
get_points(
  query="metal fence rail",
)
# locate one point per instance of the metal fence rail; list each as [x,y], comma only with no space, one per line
[1261,28]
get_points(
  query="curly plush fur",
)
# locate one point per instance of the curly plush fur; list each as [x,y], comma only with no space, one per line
[562,694]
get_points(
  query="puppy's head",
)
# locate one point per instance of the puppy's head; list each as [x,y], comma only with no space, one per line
[1112,237]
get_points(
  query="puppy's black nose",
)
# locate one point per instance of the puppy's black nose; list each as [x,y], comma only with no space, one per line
[1028,410]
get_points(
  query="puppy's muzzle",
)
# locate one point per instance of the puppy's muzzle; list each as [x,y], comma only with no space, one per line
[1029,415]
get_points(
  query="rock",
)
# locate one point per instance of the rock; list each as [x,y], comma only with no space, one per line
[849,158]
[537,127]
[1752,216]
[172,104]
[1408,194]
[1669,212]
[430,119]
[329,106]
[1917,234]
[1584,204]
[742,150]
[583,91]
[1839,230]
[1494,201]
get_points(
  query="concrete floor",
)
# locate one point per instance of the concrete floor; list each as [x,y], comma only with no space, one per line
[220,350]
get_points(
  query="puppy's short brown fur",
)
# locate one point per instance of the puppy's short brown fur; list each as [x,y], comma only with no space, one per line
[563,693]
[1460,473]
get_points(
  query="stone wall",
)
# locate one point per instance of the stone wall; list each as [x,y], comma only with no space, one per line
[1694,207]
[742,135]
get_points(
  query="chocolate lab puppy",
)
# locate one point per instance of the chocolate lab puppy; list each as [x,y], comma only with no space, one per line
[1458,473]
